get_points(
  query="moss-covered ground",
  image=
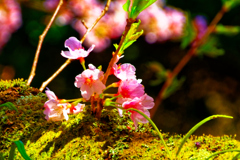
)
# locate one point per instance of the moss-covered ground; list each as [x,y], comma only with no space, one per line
[85,137]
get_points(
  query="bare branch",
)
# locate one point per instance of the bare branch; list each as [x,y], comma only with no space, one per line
[41,38]
[83,22]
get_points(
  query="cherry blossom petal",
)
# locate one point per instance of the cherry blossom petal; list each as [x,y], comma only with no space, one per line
[86,91]
[131,88]
[98,87]
[73,43]
[147,101]
[79,81]
[125,71]
[50,94]
[68,54]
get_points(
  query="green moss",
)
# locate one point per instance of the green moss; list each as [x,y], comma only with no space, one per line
[10,90]
[85,137]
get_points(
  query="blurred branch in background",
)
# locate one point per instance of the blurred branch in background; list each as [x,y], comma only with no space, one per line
[192,52]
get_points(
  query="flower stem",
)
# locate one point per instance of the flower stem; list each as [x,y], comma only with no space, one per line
[41,38]
[221,152]
[185,60]
[82,62]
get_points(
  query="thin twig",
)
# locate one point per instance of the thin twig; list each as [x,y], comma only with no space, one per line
[104,11]
[83,22]
[44,84]
[41,38]
[186,59]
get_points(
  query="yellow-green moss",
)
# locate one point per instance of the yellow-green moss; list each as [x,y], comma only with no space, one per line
[85,137]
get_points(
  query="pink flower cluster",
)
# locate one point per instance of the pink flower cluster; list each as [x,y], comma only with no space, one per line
[130,93]
[90,80]
[56,110]
[10,19]
[158,24]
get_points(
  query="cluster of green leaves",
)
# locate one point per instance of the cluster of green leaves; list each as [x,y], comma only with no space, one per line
[131,37]
[161,75]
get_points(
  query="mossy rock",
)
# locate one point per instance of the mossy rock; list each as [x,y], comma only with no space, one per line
[85,137]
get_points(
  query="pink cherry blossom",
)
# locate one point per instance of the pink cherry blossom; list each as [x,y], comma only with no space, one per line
[124,71]
[54,110]
[90,82]
[76,50]
[57,111]
[130,88]
[140,103]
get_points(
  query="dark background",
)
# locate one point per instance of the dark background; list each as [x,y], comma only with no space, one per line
[211,86]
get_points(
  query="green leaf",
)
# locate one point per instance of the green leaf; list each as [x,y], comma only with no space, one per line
[209,48]
[227,30]
[236,157]
[222,152]
[1,156]
[12,152]
[143,4]
[160,73]
[137,7]
[229,4]
[22,150]
[116,46]
[126,6]
[127,44]
[189,33]
[9,105]
[131,37]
